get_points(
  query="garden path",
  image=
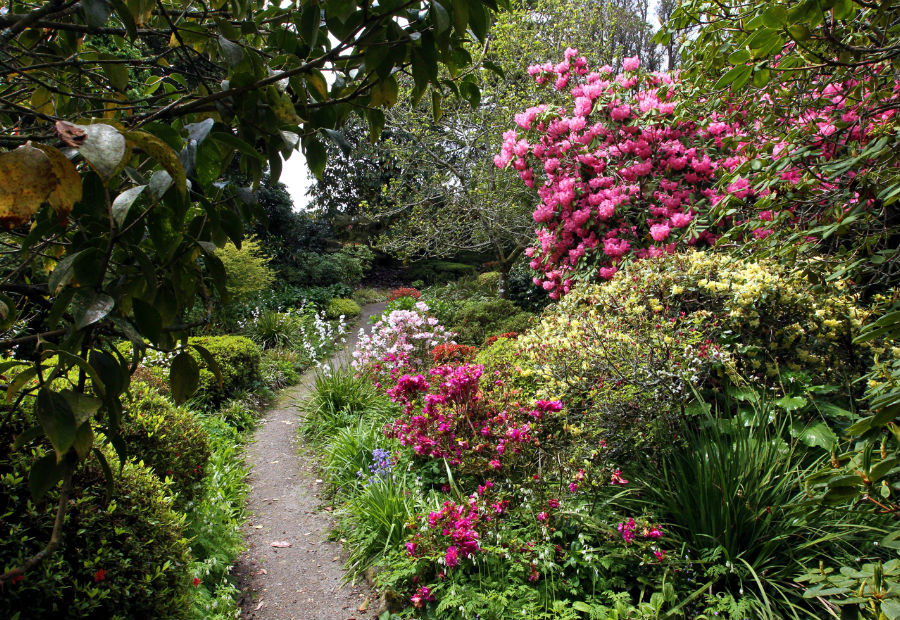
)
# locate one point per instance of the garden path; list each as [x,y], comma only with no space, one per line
[303,581]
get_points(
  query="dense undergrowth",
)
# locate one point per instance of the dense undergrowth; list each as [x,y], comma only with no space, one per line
[646,448]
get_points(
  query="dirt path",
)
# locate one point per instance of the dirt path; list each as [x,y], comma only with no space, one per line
[302,581]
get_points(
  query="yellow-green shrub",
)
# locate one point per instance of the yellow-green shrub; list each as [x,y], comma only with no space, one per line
[342,307]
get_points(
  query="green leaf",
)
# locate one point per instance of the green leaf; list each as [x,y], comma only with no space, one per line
[245,148]
[310,21]
[817,434]
[385,92]
[116,73]
[96,12]
[45,473]
[460,15]
[164,154]
[338,138]
[479,20]
[84,440]
[440,17]
[91,308]
[104,148]
[739,57]
[57,420]
[436,111]
[62,273]
[375,118]
[122,204]
[184,376]
[83,406]
[791,403]
[891,609]
[211,362]
[316,156]
[737,75]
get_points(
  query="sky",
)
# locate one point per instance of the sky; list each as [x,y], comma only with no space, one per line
[295,176]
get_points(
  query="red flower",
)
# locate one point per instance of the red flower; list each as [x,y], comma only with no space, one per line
[397,293]
[197,582]
[17,579]
[99,576]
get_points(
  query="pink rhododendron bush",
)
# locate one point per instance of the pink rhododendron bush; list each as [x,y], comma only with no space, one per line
[618,174]
[626,171]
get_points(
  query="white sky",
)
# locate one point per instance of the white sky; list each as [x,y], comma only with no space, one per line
[296,177]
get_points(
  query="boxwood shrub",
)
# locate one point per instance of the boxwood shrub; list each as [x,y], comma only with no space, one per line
[169,439]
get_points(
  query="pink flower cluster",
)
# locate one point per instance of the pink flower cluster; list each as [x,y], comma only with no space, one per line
[628,530]
[400,342]
[452,417]
[617,174]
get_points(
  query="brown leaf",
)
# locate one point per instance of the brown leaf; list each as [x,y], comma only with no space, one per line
[28,179]
[71,135]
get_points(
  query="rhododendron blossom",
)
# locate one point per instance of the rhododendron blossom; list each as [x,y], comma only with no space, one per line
[449,416]
[616,174]
[401,342]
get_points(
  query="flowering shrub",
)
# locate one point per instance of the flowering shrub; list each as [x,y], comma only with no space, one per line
[475,429]
[492,339]
[400,342]
[617,173]
[452,353]
[403,291]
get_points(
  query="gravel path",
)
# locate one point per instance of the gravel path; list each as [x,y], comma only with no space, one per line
[302,581]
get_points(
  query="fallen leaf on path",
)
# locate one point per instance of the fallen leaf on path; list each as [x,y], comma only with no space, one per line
[280,543]
[257,527]
[272,462]
[286,422]
[258,607]
[262,571]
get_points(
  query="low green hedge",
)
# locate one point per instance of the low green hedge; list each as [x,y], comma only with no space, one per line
[339,306]
[476,321]
[239,361]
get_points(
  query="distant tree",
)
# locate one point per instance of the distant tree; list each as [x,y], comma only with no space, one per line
[458,201]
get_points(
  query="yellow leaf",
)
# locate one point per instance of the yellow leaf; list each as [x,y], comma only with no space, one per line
[162,153]
[68,181]
[27,181]
[42,101]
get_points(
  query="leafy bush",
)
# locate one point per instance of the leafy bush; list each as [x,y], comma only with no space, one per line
[477,320]
[767,316]
[733,493]
[214,524]
[522,290]
[120,558]
[342,307]
[366,296]
[278,368]
[274,329]
[375,520]
[170,440]
[346,266]
[452,354]
[404,291]
[399,342]
[246,269]
[238,358]
[239,414]
[489,281]
[434,271]
[349,453]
